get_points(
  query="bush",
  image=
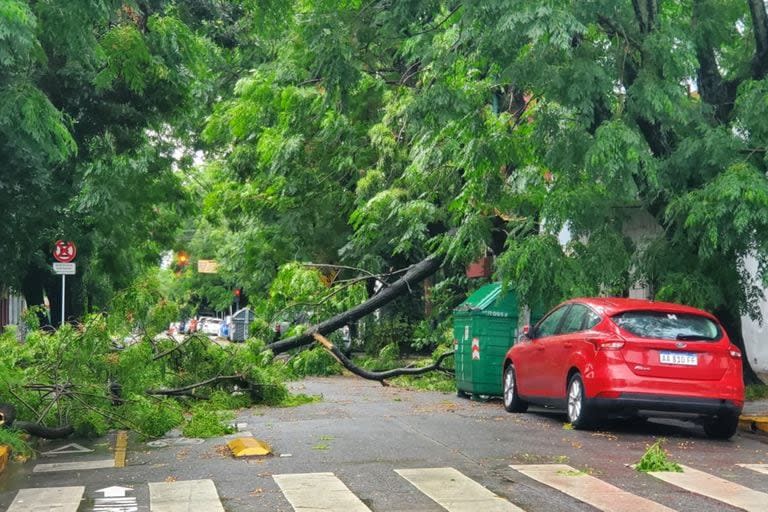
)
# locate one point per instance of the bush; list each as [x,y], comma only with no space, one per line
[385,332]
[315,361]
[226,400]
[267,388]
[17,441]
[153,417]
[90,424]
[427,337]
[206,422]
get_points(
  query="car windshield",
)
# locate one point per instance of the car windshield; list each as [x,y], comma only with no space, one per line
[668,326]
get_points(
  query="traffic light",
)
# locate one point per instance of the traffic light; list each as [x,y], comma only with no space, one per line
[182,259]
[236,292]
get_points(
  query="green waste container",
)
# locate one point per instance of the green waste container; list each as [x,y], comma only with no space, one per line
[484,327]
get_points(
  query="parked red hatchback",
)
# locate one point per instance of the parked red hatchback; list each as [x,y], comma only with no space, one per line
[596,357]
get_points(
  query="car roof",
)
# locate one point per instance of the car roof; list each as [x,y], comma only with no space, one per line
[610,306]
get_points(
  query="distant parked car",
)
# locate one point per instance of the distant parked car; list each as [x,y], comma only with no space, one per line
[626,357]
[209,325]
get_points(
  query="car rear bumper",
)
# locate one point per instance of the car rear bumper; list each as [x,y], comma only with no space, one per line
[633,403]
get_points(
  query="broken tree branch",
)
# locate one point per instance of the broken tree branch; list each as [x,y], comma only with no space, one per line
[175,347]
[186,389]
[415,274]
[377,376]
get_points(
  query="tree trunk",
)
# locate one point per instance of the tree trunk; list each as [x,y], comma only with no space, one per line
[414,276]
[760,29]
[732,323]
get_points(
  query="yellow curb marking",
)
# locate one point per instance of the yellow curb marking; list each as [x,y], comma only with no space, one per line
[121,445]
[5,452]
[754,423]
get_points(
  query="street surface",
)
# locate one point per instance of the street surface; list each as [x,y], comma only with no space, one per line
[367,447]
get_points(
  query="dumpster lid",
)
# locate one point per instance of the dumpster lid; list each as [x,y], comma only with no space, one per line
[243,314]
[487,298]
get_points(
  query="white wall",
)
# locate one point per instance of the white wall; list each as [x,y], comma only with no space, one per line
[756,334]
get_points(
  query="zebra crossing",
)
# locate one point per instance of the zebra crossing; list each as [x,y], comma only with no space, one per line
[447,487]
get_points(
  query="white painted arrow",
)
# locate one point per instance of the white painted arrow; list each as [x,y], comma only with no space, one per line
[114,491]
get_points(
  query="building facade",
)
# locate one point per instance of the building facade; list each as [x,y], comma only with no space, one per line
[11,309]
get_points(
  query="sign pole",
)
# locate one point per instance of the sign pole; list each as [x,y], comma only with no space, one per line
[64,253]
[63,284]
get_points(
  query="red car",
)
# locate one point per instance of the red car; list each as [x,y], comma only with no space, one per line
[628,358]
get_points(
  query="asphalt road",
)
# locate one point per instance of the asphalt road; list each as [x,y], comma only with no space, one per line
[363,432]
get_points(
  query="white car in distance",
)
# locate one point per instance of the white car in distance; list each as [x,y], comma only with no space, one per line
[209,325]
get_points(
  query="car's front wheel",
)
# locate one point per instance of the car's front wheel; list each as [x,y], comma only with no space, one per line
[722,426]
[512,402]
[579,413]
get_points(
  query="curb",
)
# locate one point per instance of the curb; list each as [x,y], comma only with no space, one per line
[755,424]
[5,452]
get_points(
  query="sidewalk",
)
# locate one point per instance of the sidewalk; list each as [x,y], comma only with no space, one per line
[754,417]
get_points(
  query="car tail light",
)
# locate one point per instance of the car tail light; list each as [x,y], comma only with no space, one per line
[734,352]
[606,343]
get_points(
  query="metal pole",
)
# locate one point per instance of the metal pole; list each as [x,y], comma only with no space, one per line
[63,284]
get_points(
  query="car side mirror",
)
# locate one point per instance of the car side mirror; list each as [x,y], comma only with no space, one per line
[525,335]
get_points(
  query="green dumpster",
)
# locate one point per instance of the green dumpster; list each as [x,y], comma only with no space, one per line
[484,327]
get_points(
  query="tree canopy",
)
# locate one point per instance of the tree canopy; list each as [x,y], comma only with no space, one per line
[376,133]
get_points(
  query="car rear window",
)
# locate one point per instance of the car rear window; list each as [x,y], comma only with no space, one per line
[668,326]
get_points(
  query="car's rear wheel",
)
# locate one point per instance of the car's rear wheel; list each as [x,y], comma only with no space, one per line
[512,402]
[722,426]
[579,413]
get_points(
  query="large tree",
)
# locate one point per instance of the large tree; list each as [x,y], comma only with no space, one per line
[371,131]
[99,101]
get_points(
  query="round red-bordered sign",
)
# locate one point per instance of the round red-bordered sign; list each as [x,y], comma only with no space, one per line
[64,252]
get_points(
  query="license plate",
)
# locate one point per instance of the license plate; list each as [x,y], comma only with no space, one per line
[681,358]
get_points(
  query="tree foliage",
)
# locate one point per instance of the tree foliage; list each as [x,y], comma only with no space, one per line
[386,132]
[373,134]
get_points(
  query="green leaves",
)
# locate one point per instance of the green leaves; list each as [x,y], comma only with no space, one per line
[17,33]
[728,215]
[656,458]
[127,59]
[38,125]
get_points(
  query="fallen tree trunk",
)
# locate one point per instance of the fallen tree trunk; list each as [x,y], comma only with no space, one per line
[187,390]
[377,376]
[36,429]
[8,417]
[416,273]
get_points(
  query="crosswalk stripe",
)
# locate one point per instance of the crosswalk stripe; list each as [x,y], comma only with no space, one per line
[454,491]
[716,488]
[588,489]
[184,496]
[318,491]
[760,468]
[74,466]
[48,499]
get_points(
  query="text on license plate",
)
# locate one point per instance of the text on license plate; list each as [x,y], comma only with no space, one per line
[684,358]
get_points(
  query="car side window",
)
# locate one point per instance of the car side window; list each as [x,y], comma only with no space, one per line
[548,326]
[574,320]
[590,320]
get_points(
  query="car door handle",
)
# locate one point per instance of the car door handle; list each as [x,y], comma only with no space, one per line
[568,344]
